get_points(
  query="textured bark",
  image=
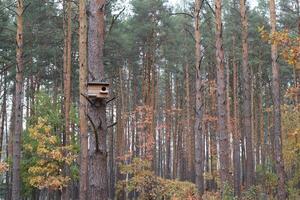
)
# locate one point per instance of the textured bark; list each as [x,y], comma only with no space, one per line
[247,128]
[83,123]
[67,87]
[168,125]
[16,179]
[176,133]
[111,155]
[120,139]
[3,114]
[228,116]
[279,165]
[260,119]
[98,177]
[198,127]
[222,125]
[236,133]
[190,137]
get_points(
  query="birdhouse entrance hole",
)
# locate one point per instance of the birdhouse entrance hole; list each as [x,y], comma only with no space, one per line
[98,90]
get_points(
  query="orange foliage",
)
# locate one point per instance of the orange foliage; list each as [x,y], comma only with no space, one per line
[288,44]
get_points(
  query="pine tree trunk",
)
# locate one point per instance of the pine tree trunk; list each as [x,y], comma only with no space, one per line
[98,177]
[279,165]
[3,114]
[120,139]
[260,119]
[247,98]
[236,133]
[168,124]
[222,124]
[67,88]
[83,124]
[16,179]
[198,127]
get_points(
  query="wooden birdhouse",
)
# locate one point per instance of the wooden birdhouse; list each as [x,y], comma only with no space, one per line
[98,90]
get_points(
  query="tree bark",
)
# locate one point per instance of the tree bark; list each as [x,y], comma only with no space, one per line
[83,123]
[67,87]
[247,128]
[3,114]
[198,127]
[168,124]
[236,133]
[279,165]
[16,180]
[222,124]
[98,177]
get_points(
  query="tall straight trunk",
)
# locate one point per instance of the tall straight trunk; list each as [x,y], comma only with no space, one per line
[83,123]
[236,133]
[253,116]
[188,132]
[176,132]
[222,124]
[67,87]
[98,177]
[198,127]
[213,137]
[153,108]
[3,114]
[260,121]
[228,117]
[279,165]
[16,179]
[247,128]
[168,124]
[10,141]
[120,138]
[111,153]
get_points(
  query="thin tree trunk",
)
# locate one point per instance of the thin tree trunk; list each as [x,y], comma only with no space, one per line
[228,117]
[83,123]
[67,89]
[168,124]
[98,177]
[3,114]
[260,121]
[198,127]
[222,125]
[279,165]
[247,98]
[16,179]
[120,139]
[236,133]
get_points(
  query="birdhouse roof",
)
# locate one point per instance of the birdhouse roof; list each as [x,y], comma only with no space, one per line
[99,83]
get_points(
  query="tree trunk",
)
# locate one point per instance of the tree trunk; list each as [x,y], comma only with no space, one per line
[279,165]
[236,133]
[222,124]
[67,88]
[198,127]
[168,124]
[16,180]
[247,98]
[3,114]
[260,119]
[83,124]
[98,177]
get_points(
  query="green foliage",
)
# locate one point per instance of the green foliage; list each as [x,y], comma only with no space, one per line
[253,193]
[228,193]
[266,178]
[150,187]
[44,157]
